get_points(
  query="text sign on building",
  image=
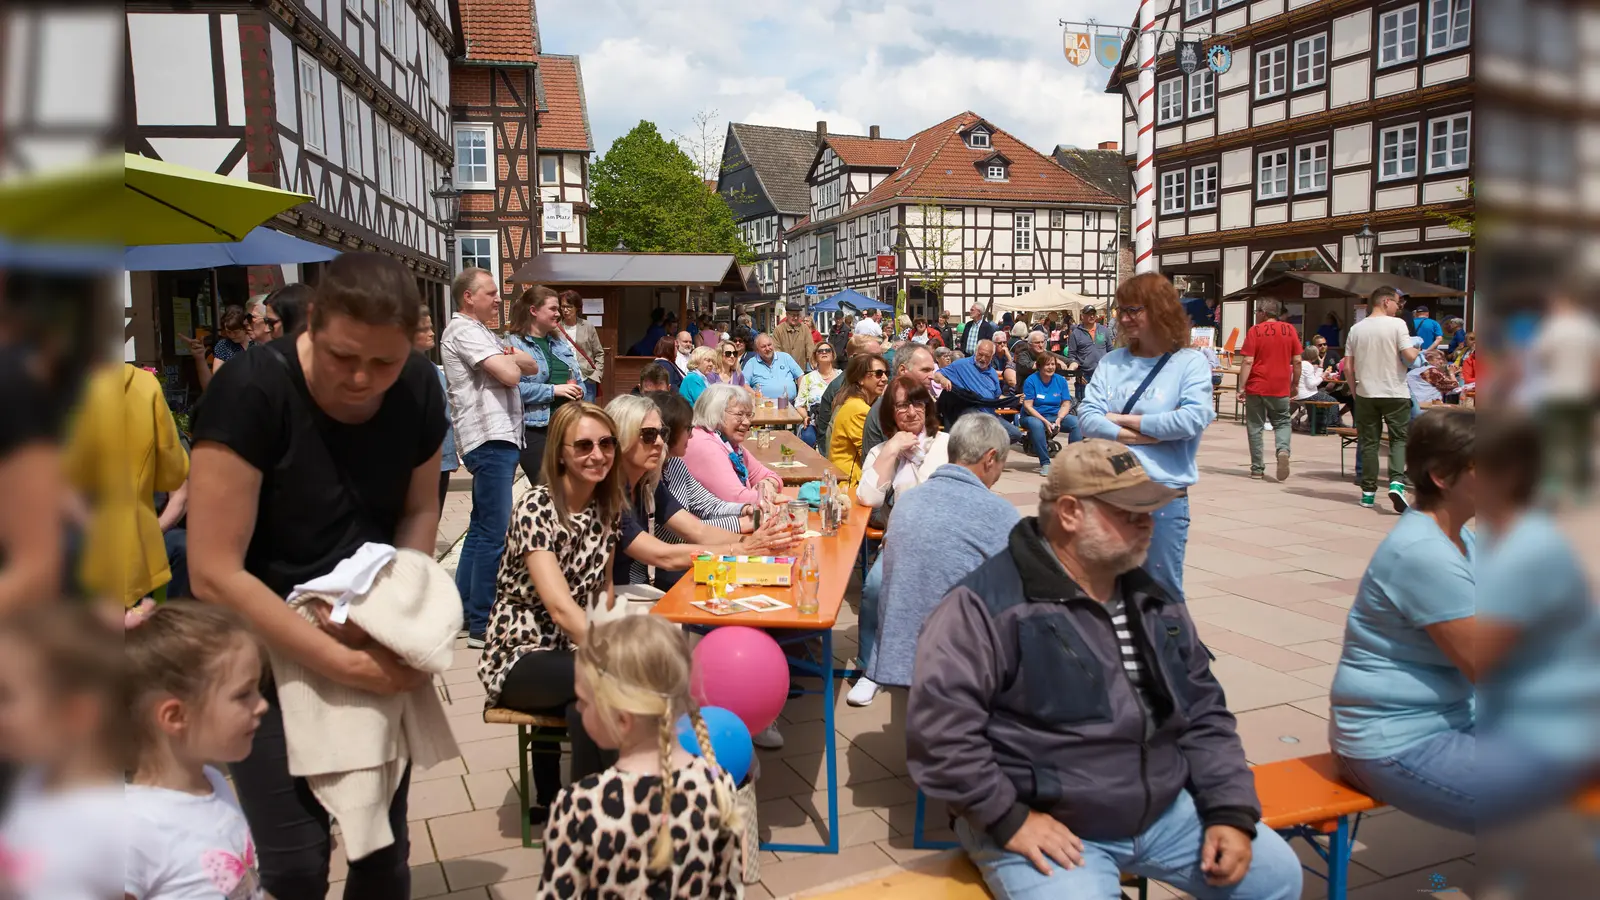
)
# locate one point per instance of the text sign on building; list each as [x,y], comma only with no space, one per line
[558,217]
[886,266]
[1310,291]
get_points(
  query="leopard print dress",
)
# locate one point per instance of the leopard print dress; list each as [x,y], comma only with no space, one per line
[601,832]
[520,623]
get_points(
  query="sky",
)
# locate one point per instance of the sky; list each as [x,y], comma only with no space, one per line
[900,64]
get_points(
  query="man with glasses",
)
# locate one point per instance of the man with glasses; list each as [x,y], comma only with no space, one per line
[1089,341]
[1379,352]
[977,375]
[772,372]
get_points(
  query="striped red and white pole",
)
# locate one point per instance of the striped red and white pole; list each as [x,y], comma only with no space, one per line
[1144,178]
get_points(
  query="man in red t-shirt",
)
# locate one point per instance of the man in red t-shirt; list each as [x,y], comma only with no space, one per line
[1269,373]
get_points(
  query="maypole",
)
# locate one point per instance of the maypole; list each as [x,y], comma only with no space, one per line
[1144,179]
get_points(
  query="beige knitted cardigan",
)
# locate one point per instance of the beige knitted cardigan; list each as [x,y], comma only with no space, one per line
[352,746]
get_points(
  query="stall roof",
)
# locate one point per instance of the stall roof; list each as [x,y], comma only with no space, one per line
[1347,284]
[713,270]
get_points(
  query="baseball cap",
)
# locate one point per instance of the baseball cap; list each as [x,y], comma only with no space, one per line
[1089,309]
[1107,471]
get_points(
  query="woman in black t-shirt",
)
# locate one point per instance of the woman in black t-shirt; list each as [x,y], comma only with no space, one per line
[305,449]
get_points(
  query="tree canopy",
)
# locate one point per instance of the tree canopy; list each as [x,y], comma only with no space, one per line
[647,194]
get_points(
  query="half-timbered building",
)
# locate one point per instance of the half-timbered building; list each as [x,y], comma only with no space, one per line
[969,213]
[507,96]
[1107,169]
[1333,115]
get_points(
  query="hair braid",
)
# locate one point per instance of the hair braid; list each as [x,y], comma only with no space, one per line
[725,805]
[662,851]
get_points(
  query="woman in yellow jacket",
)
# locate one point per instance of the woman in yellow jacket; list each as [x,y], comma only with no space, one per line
[123,448]
[865,377]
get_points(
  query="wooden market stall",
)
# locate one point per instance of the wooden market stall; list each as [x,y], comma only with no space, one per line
[1310,296]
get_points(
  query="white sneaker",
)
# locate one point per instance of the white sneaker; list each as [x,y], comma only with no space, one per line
[863,692]
[768,739]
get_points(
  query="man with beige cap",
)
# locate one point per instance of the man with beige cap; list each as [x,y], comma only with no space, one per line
[1063,707]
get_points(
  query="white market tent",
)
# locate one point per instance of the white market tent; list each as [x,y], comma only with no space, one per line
[1049,298]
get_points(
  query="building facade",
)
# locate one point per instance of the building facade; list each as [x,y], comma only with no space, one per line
[763,181]
[1334,114]
[968,212]
[505,97]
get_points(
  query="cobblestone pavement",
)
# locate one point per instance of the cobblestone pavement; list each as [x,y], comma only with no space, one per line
[1272,569]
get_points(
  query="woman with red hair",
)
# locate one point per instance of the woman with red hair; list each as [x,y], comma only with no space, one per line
[1154,394]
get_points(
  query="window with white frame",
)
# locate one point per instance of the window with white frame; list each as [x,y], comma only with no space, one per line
[1091,221]
[877,235]
[1272,175]
[477,250]
[1057,217]
[381,161]
[1311,168]
[397,166]
[549,170]
[1397,36]
[824,251]
[1397,152]
[1203,187]
[995,172]
[386,23]
[310,103]
[1021,287]
[474,171]
[1310,61]
[1449,24]
[1448,141]
[1169,101]
[1194,9]
[1022,232]
[350,110]
[978,139]
[1173,185]
[1202,92]
[1272,72]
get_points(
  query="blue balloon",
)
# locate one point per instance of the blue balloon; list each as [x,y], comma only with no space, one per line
[730,740]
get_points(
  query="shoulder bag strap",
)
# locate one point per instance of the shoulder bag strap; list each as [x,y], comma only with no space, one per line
[302,403]
[574,345]
[1154,371]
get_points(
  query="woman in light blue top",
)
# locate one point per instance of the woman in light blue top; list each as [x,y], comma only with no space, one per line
[534,317]
[1154,394]
[1402,699]
[702,369]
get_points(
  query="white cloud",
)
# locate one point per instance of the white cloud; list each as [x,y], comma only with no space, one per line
[901,64]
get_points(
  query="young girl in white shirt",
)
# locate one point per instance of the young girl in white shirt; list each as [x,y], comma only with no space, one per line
[661,823]
[193,677]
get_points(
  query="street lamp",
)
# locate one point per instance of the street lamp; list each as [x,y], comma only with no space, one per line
[1365,240]
[446,207]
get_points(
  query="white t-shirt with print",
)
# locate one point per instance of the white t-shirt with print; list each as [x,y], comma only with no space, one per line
[62,845]
[1375,343]
[186,847]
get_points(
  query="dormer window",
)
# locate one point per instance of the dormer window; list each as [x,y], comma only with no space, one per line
[978,139]
[994,172]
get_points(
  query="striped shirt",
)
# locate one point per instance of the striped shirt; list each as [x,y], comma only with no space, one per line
[1133,662]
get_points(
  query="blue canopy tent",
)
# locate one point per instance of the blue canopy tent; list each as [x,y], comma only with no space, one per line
[852,299]
[67,259]
[261,247]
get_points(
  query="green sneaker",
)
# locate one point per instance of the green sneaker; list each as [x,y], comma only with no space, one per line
[1369,500]
[1397,496]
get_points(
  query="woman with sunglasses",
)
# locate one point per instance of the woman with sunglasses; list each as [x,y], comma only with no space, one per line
[1154,394]
[557,565]
[812,386]
[727,370]
[865,377]
[716,455]
[643,448]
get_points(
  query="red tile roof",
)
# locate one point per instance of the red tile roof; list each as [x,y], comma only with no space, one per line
[500,30]
[564,120]
[941,166]
[869,152]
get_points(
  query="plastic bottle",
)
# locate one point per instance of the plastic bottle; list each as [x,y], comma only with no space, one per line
[807,582]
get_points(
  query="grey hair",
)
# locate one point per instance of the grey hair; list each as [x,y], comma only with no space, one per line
[257,305]
[975,434]
[1269,308]
[944,353]
[714,402]
[903,358]
[758,337]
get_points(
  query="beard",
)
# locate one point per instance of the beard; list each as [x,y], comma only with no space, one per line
[1098,545]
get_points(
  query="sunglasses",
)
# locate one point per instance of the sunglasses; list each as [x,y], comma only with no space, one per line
[648,436]
[879,373]
[271,322]
[728,353]
[585,446]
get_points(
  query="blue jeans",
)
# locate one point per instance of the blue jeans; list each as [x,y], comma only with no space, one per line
[867,629]
[1041,440]
[1167,543]
[1168,851]
[493,466]
[590,390]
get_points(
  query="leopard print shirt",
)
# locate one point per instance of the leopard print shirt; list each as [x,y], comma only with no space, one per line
[601,831]
[520,622]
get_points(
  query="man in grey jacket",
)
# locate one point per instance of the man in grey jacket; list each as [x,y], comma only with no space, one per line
[1087,342]
[1063,706]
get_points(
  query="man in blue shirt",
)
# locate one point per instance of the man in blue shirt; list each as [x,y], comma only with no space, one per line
[771,371]
[1426,328]
[977,375]
[1202,311]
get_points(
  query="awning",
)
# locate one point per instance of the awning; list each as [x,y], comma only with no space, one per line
[853,299]
[714,271]
[1289,286]
[261,247]
[1049,298]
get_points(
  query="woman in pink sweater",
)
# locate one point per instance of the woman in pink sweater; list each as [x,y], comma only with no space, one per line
[717,457]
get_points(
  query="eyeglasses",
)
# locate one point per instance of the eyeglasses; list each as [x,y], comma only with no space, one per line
[1130,311]
[648,436]
[904,406]
[741,416]
[585,446]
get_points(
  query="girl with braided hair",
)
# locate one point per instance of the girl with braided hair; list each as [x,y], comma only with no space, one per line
[660,823]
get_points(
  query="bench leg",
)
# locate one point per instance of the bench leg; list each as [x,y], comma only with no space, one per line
[526,814]
[919,840]
[1339,848]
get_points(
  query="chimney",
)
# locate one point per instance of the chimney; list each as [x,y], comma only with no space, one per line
[822,129]
[873,133]
[1108,145]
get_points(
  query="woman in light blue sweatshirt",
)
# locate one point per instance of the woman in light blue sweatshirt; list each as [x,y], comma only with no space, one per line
[1163,422]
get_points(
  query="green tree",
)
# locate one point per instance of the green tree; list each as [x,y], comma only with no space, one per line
[648,195]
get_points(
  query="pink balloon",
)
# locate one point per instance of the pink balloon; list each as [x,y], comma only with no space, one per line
[744,671]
